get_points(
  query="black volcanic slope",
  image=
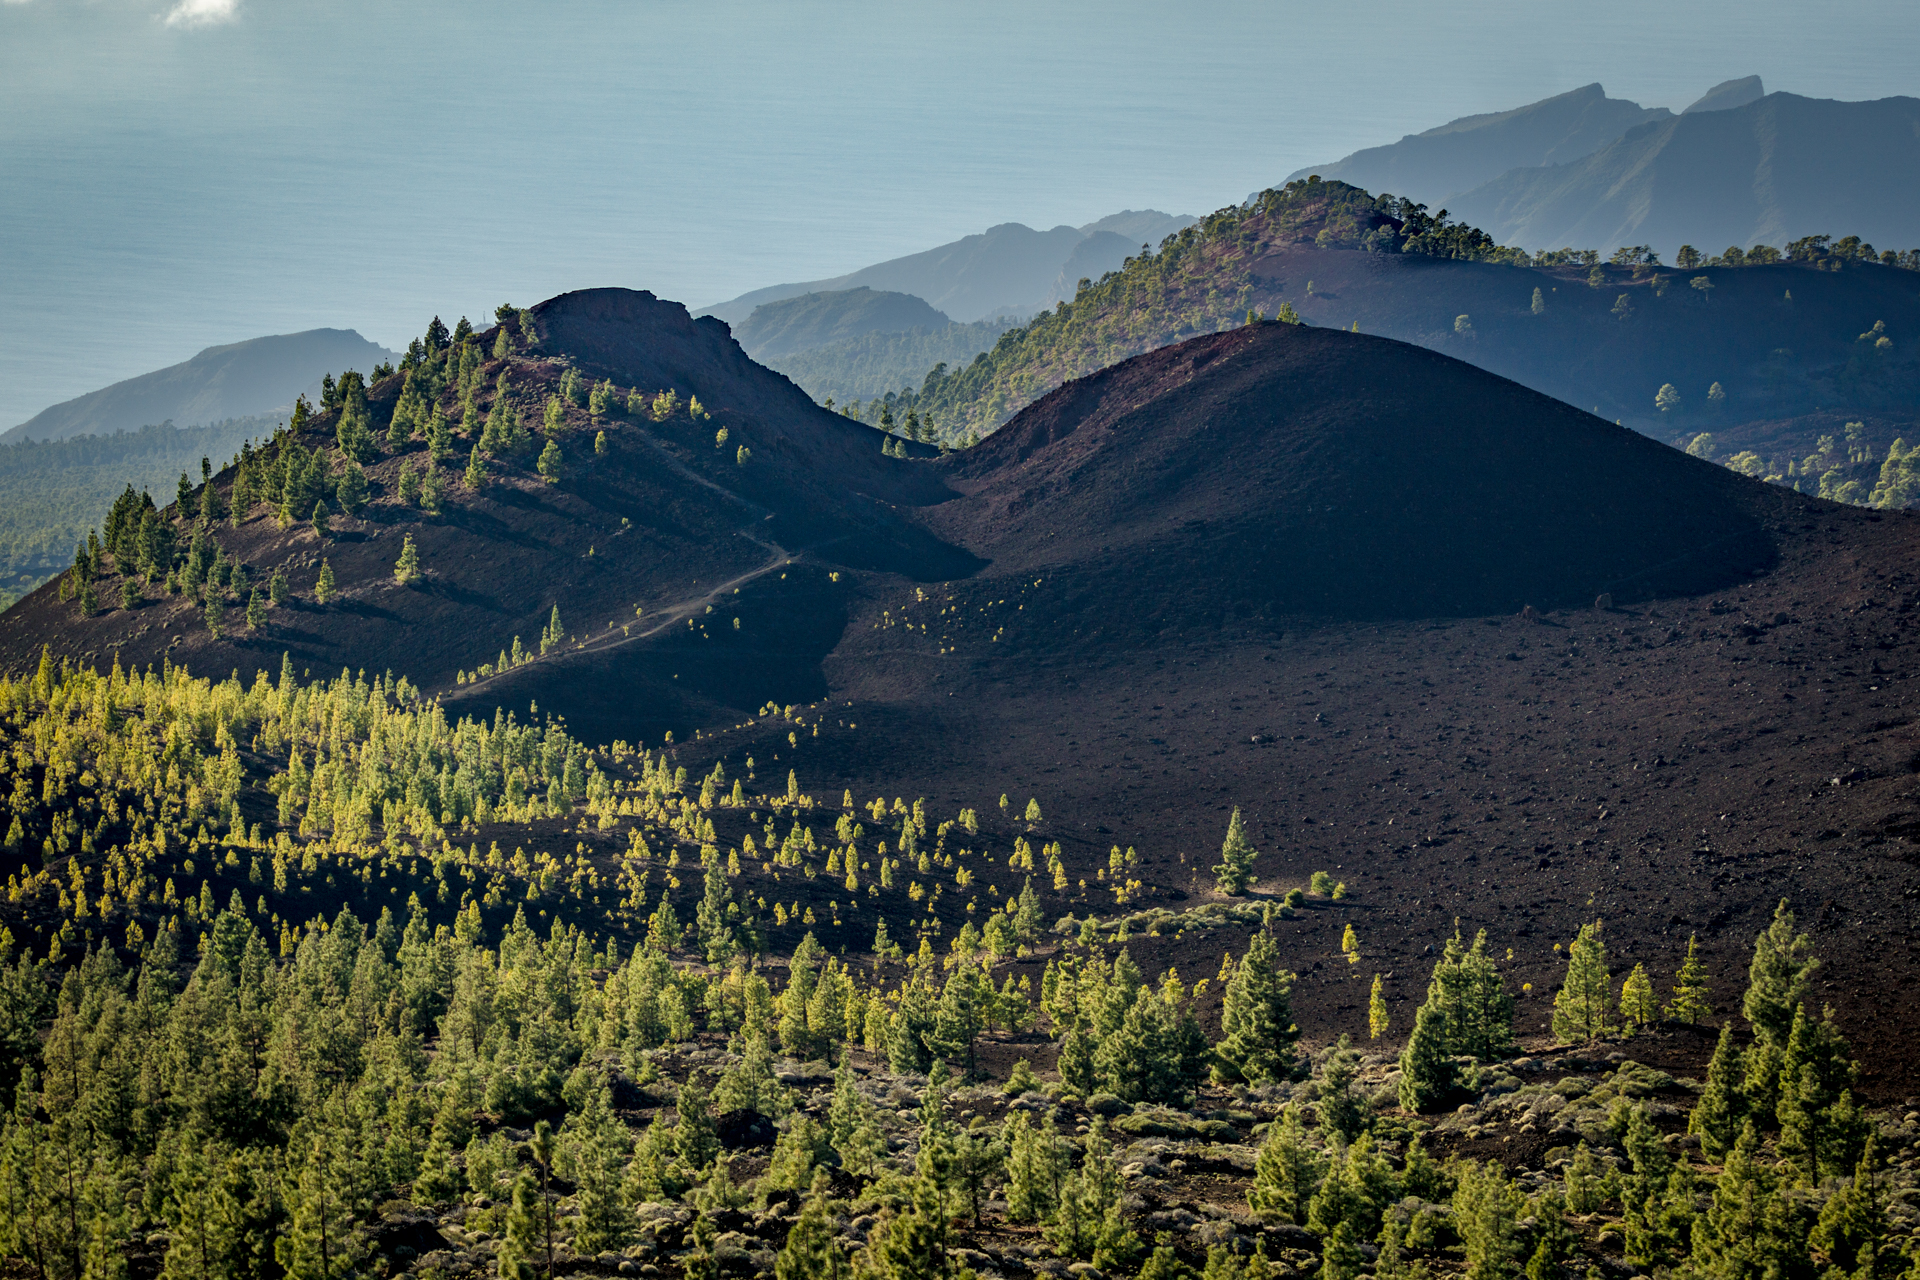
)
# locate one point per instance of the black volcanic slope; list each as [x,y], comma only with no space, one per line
[1278,567]
[1278,469]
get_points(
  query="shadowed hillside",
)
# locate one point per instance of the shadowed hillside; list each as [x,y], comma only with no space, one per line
[818,319]
[1278,469]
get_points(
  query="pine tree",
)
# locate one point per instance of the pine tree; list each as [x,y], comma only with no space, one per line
[1778,978]
[1377,1009]
[476,475]
[1690,987]
[1235,871]
[277,589]
[1468,988]
[1643,1192]
[1821,1129]
[1637,1008]
[554,632]
[319,1240]
[978,1156]
[1286,1170]
[1340,1258]
[439,439]
[797,1150]
[695,1139]
[1580,1006]
[1854,1224]
[351,492]
[1256,1019]
[438,1180]
[1486,1215]
[1427,1073]
[1717,1118]
[1341,1111]
[550,462]
[256,610]
[1032,1169]
[407,571]
[323,589]
[1165,1264]
[216,612]
[1539,303]
[521,1243]
[810,1251]
[320,519]
[1747,1230]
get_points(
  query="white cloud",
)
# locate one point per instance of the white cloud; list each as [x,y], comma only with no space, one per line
[202,13]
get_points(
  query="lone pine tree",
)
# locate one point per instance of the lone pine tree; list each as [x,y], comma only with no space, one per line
[1235,871]
[407,571]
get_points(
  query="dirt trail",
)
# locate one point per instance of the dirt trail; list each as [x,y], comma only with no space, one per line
[778,557]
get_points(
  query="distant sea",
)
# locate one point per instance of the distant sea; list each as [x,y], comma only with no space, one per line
[165,188]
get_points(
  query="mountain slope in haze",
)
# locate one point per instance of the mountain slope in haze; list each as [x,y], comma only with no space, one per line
[1779,340]
[1205,578]
[53,492]
[1432,167]
[876,364]
[791,325]
[238,380]
[1010,269]
[1727,95]
[1774,170]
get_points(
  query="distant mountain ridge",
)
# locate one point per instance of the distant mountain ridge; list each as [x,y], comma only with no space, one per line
[1769,171]
[237,380]
[1010,269]
[1739,166]
[1432,167]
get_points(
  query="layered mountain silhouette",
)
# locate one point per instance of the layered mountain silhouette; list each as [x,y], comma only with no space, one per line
[1769,171]
[1010,269]
[1737,167]
[240,379]
[1435,166]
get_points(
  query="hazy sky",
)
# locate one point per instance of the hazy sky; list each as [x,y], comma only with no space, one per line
[174,175]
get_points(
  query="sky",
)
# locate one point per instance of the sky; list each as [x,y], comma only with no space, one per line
[180,173]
